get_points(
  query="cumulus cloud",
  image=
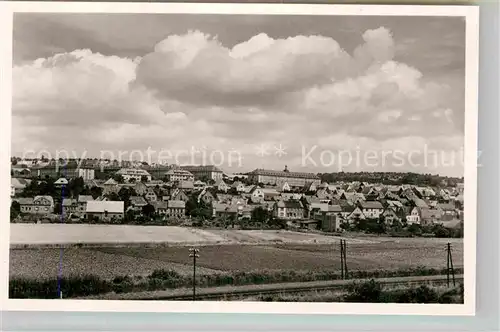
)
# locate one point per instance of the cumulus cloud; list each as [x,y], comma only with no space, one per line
[192,90]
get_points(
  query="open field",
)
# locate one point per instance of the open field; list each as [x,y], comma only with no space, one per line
[49,234]
[116,250]
[108,262]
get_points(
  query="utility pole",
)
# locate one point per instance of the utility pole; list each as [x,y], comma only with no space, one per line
[194,254]
[343,259]
[449,265]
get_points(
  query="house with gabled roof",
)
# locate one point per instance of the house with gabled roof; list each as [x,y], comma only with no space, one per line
[18,185]
[221,185]
[257,195]
[390,216]
[69,205]
[105,210]
[178,195]
[356,214]
[150,195]
[238,186]
[110,186]
[36,205]
[270,194]
[137,203]
[206,197]
[371,209]
[61,182]
[82,202]
[288,210]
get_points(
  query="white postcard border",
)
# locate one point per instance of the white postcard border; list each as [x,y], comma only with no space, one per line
[470,13]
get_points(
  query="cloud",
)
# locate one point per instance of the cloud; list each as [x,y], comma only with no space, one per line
[191,90]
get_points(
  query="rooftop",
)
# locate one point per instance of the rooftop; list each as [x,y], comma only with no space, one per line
[105,206]
[285,174]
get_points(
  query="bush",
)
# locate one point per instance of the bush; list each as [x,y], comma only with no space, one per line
[422,294]
[367,292]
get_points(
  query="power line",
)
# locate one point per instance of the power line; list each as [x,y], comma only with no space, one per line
[449,265]
[343,259]
[194,254]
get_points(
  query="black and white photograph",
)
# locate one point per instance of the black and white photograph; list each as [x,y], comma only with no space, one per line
[240,158]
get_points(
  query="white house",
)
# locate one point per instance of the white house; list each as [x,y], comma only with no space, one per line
[134,173]
[102,210]
[371,209]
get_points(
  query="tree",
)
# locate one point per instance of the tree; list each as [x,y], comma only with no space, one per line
[441,231]
[260,215]
[148,210]
[144,178]
[15,209]
[367,292]
[124,195]
[95,192]
[415,229]
[118,178]
[76,187]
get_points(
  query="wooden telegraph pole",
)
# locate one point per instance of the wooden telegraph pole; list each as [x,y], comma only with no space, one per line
[343,260]
[194,254]
[449,265]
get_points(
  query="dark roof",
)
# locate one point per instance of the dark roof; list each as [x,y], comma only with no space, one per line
[69,202]
[290,204]
[371,205]
[283,174]
[138,200]
[334,208]
[201,168]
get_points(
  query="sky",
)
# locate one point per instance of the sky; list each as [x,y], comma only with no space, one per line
[315,93]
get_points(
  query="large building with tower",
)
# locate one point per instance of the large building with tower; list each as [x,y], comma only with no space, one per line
[293,179]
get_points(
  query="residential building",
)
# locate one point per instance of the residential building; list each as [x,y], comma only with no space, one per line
[186,185]
[356,214]
[272,177]
[221,185]
[104,210]
[270,194]
[371,209]
[140,188]
[225,211]
[204,172]
[69,206]
[206,197]
[177,174]
[289,210]
[161,207]
[176,209]
[110,186]
[37,205]
[86,173]
[199,185]
[424,216]
[82,203]
[414,216]
[150,195]
[136,174]
[238,186]
[179,195]
[137,203]
[61,182]
[390,216]
[256,194]
[17,185]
